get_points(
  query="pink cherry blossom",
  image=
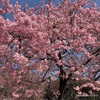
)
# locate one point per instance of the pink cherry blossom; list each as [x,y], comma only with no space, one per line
[76,73]
[48,44]
[20,58]
[77,88]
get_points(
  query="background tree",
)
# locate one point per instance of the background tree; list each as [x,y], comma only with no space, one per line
[47,43]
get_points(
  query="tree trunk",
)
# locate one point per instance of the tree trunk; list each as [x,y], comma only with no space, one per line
[62,84]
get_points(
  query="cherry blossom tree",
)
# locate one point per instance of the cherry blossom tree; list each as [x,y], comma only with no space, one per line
[46,43]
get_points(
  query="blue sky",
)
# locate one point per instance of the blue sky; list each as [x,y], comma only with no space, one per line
[31,3]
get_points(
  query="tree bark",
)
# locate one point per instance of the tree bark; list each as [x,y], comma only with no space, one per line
[62,83]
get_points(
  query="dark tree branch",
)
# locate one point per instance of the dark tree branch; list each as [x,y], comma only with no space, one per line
[87,61]
[95,52]
[43,78]
[96,72]
[97,78]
